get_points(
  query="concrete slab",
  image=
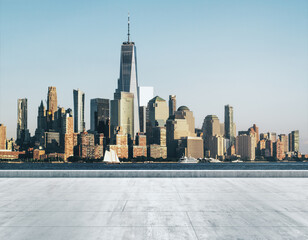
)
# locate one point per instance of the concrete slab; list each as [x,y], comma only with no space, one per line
[153,208]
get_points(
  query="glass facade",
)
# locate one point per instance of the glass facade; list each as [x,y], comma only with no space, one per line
[79,124]
[128,80]
[229,132]
[100,116]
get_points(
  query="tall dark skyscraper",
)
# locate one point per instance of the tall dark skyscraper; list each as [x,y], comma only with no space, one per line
[128,80]
[23,135]
[294,141]
[22,116]
[100,116]
[79,124]
[229,131]
[41,117]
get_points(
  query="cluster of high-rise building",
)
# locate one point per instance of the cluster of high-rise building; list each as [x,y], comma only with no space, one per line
[221,141]
[135,124]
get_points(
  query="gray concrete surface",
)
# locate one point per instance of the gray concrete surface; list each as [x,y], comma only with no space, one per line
[154,173]
[153,208]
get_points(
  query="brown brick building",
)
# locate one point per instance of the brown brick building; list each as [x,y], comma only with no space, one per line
[140,150]
[157,151]
[5,154]
[278,150]
[88,148]
[37,153]
[2,137]
[121,147]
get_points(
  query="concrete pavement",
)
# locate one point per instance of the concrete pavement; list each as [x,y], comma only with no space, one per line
[153,208]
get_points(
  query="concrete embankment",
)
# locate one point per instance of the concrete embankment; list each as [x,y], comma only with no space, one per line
[153,173]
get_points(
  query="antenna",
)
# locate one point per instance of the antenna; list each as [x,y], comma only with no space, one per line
[128,29]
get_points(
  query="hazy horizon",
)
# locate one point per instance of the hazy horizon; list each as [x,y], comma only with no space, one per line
[252,55]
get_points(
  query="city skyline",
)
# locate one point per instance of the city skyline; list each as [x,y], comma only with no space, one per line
[267,110]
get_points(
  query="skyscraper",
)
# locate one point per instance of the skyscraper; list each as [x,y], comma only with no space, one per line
[79,124]
[143,115]
[68,134]
[128,80]
[172,104]
[145,95]
[245,146]
[211,126]
[41,125]
[52,107]
[229,131]
[122,114]
[294,141]
[158,112]
[22,120]
[215,144]
[52,103]
[213,141]
[157,117]
[41,117]
[99,117]
[278,150]
[181,124]
[284,139]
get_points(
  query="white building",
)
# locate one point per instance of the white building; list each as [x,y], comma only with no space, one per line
[145,95]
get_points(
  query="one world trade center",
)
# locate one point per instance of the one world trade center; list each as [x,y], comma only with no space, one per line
[128,80]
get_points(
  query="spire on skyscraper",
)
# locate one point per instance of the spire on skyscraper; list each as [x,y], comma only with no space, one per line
[128,29]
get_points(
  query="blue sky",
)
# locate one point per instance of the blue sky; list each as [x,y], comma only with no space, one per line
[252,55]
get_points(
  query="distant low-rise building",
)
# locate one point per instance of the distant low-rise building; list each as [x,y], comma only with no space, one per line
[38,153]
[10,155]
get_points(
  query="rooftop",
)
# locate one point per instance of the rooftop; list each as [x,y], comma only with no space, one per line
[153,208]
[157,98]
[183,108]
